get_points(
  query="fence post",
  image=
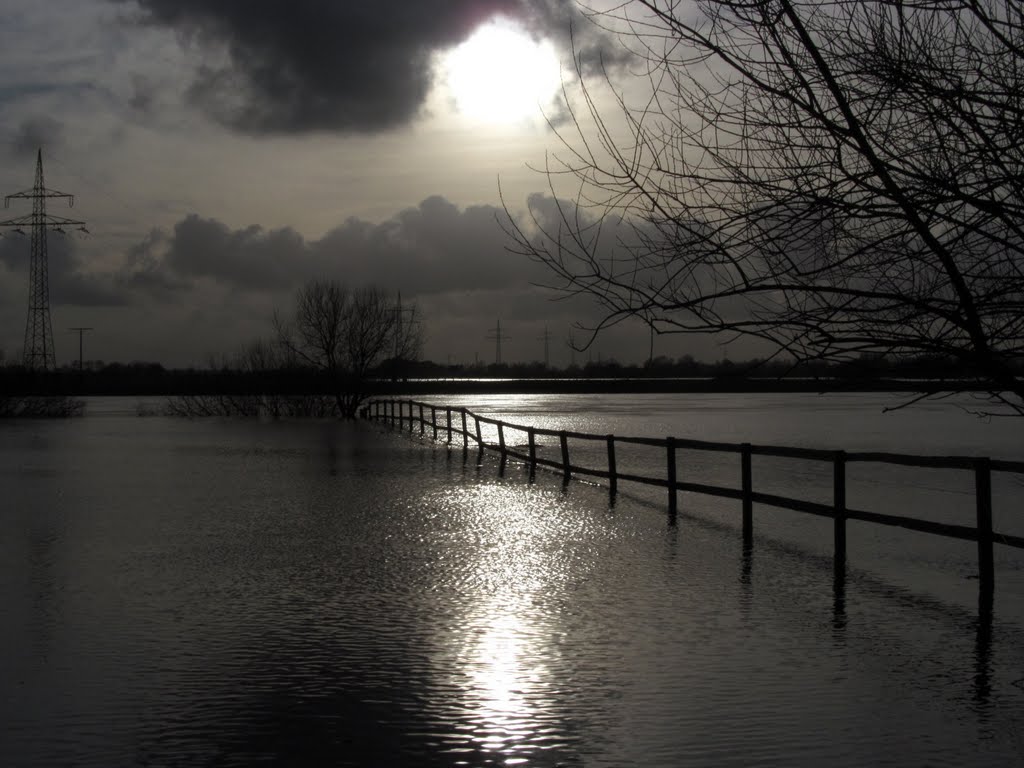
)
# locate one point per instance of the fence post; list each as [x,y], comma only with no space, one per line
[423,426]
[410,417]
[563,439]
[747,483]
[448,419]
[670,451]
[613,477]
[465,432]
[532,437]
[433,419]
[839,507]
[983,495]
[479,438]
[501,439]
[400,419]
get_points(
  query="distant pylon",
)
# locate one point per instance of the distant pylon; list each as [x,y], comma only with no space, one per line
[495,335]
[400,336]
[546,338]
[38,349]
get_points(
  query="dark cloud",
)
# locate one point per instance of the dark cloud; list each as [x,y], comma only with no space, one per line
[432,248]
[250,258]
[338,65]
[435,247]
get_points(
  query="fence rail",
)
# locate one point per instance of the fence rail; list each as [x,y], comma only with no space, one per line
[394,412]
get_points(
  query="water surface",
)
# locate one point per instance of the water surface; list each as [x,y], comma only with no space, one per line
[233,593]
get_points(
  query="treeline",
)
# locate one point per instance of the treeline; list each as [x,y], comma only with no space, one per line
[866,368]
[394,376]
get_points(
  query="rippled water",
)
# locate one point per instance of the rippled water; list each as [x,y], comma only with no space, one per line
[232,593]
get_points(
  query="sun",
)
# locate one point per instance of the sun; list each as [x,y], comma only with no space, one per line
[501,74]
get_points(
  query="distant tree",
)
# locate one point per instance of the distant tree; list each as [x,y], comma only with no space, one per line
[833,178]
[345,333]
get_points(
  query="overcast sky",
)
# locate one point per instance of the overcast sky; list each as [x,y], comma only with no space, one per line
[224,151]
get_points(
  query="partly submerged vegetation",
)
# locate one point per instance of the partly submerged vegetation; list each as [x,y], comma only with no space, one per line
[40,406]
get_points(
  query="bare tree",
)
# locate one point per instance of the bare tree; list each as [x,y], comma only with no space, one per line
[345,333]
[833,178]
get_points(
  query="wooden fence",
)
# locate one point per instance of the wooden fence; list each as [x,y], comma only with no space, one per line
[411,414]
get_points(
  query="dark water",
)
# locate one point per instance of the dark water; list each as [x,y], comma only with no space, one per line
[227,593]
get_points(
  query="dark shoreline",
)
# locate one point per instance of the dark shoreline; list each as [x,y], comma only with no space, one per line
[649,386]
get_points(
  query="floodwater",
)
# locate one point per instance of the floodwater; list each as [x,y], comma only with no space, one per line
[234,593]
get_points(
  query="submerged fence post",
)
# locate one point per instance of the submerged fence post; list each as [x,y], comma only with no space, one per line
[983,495]
[501,439]
[433,419]
[613,477]
[423,426]
[448,419]
[532,437]
[465,432]
[839,505]
[563,439]
[670,451]
[411,420]
[479,438]
[747,484]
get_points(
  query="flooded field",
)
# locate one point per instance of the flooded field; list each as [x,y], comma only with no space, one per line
[306,593]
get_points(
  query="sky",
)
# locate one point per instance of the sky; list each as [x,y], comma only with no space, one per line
[223,152]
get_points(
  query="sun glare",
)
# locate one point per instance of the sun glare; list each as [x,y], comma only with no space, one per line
[501,74]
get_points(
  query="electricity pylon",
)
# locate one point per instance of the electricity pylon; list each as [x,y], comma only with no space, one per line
[401,342]
[38,349]
[546,338]
[495,335]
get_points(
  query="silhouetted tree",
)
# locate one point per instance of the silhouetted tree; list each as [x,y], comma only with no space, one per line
[345,333]
[833,178]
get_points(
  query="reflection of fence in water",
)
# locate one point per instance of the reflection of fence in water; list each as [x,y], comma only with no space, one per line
[538,447]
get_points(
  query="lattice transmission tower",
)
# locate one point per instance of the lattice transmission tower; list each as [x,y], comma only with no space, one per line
[38,349]
[495,335]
